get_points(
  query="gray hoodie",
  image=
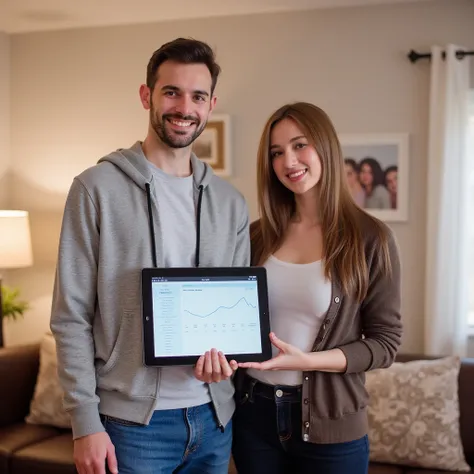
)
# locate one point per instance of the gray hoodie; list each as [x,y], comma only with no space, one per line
[96,317]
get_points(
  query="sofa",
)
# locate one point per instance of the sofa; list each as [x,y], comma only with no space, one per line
[36,449]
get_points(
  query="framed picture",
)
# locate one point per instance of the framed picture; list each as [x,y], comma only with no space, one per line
[376,168]
[213,145]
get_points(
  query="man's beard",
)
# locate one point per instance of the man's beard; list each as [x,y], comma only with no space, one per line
[172,138]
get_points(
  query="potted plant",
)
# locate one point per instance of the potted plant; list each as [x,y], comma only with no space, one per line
[12,306]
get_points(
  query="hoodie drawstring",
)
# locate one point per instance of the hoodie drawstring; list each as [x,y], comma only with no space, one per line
[152,226]
[198,226]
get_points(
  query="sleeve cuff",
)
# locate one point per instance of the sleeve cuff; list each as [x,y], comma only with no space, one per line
[358,357]
[85,420]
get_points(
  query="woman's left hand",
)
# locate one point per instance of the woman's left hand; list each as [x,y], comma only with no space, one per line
[288,358]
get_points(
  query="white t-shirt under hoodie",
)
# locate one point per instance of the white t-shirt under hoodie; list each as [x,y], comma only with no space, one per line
[299,297]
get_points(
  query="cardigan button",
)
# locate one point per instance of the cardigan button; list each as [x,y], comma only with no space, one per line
[337,299]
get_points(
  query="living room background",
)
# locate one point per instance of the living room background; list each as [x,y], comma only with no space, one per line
[74,98]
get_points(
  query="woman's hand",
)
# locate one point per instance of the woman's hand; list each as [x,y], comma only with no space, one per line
[288,358]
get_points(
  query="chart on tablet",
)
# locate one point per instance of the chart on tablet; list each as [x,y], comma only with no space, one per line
[191,317]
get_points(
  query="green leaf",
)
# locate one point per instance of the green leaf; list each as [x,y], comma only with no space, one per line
[12,307]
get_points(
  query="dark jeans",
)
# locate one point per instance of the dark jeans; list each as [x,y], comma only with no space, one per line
[268,437]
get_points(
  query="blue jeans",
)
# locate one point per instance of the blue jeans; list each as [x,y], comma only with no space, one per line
[184,441]
[268,439]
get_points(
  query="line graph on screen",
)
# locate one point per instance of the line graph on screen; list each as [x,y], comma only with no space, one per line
[223,310]
[220,312]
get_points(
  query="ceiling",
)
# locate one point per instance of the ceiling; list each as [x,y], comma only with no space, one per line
[21,16]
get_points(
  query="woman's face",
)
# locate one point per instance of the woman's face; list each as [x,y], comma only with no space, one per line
[295,162]
[351,175]
[366,176]
[392,181]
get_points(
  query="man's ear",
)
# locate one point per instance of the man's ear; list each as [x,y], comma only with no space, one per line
[145,96]
[212,104]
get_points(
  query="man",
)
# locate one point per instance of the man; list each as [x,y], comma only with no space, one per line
[128,417]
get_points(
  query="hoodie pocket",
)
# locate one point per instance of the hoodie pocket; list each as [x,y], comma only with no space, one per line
[109,365]
[125,371]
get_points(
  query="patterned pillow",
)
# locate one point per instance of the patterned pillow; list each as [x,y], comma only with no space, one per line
[46,407]
[414,415]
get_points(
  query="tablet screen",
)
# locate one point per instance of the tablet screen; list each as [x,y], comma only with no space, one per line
[191,313]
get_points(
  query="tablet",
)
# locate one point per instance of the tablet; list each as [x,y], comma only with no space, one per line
[188,311]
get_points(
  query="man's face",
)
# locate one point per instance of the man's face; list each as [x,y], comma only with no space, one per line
[181,102]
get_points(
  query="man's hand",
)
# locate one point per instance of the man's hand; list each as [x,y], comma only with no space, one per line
[91,452]
[213,367]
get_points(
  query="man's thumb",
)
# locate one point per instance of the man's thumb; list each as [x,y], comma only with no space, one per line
[112,459]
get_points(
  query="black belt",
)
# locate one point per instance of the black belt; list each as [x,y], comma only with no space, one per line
[252,387]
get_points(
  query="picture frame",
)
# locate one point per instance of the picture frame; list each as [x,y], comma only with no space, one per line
[213,145]
[382,159]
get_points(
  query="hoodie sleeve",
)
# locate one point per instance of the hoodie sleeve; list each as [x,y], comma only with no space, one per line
[73,307]
[242,248]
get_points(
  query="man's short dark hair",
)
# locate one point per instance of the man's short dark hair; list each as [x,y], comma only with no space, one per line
[185,51]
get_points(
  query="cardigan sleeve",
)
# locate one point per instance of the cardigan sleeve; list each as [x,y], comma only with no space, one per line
[381,318]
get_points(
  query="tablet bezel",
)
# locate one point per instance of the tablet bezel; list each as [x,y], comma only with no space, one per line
[148,274]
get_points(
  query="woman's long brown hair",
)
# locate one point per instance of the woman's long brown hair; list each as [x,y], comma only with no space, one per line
[342,221]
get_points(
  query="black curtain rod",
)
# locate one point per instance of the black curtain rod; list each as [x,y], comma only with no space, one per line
[413,56]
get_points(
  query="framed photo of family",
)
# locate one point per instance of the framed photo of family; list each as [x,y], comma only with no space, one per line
[213,145]
[376,168]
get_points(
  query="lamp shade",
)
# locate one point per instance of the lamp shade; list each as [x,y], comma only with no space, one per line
[15,240]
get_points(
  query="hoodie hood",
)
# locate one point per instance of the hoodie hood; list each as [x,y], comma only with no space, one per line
[134,164]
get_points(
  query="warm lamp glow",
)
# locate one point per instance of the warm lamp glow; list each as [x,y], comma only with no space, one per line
[15,240]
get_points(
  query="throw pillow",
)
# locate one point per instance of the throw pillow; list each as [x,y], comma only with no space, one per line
[46,407]
[414,415]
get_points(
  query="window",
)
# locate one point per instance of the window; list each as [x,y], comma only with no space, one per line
[471,213]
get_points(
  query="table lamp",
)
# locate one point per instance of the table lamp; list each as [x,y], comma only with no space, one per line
[15,247]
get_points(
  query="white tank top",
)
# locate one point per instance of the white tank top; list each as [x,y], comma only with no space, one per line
[299,297]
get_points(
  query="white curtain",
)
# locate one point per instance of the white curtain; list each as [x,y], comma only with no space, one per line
[446,295]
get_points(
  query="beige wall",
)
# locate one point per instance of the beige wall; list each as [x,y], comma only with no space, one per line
[75,99]
[4,116]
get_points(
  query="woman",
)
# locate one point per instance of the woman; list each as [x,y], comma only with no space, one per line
[334,291]
[373,180]
[352,175]
[391,183]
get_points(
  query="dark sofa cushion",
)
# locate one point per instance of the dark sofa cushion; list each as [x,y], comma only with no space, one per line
[379,468]
[50,456]
[430,471]
[18,371]
[18,436]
